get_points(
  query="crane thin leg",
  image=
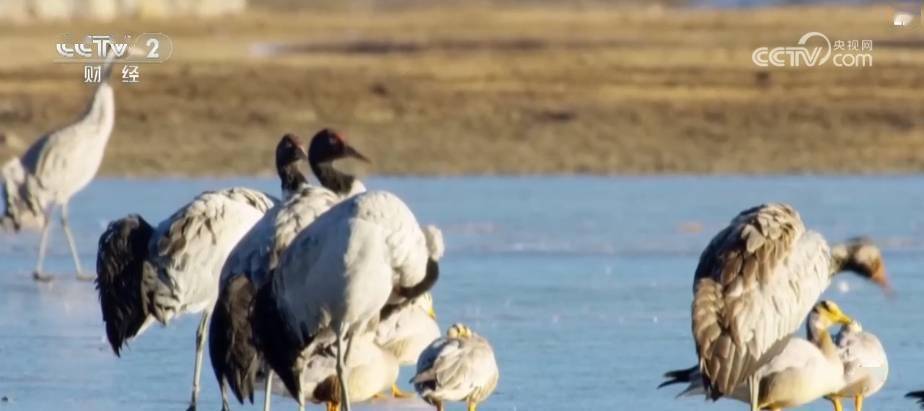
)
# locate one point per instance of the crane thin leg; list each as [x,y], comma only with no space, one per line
[268,391]
[73,246]
[38,275]
[200,348]
[225,406]
[342,352]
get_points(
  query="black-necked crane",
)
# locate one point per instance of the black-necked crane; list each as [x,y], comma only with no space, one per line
[148,274]
[235,359]
[336,277]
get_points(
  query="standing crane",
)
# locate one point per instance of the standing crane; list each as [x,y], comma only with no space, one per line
[235,359]
[755,283]
[147,274]
[336,276]
[54,168]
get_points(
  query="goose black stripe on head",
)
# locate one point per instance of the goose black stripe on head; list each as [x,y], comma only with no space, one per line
[120,265]
[326,147]
[288,154]
[861,256]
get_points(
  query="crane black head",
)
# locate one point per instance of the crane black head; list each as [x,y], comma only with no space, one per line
[288,153]
[326,147]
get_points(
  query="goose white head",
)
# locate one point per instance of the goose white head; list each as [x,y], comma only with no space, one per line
[825,314]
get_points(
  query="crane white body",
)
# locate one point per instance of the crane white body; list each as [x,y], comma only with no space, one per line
[341,271]
[148,274]
[53,169]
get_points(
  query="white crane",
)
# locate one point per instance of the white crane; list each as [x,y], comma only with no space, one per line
[235,359]
[54,168]
[337,275]
[755,283]
[146,274]
[407,331]
[458,367]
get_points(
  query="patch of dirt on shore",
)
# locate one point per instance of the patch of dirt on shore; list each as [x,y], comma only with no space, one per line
[473,91]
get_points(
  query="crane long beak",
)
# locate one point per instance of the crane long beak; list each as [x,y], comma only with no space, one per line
[881,279]
[349,151]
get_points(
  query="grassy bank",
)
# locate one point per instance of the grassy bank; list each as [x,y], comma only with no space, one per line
[467,90]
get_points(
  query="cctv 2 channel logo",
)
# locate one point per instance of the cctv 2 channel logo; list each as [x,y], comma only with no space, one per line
[143,48]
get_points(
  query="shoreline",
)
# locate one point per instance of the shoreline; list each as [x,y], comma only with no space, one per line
[470,91]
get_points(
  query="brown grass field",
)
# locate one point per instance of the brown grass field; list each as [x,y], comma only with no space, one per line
[501,90]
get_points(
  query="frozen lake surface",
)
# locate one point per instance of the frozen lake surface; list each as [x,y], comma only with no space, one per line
[582,284]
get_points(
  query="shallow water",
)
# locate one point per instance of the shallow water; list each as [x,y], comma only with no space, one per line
[582,284]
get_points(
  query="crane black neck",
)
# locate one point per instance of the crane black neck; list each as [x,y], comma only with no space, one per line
[331,178]
[291,177]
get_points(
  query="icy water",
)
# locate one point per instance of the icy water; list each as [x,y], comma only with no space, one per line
[582,285]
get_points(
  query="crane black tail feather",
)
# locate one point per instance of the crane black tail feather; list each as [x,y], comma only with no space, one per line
[433,274]
[279,347]
[235,359]
[685,375]
[917,396]
[120,265]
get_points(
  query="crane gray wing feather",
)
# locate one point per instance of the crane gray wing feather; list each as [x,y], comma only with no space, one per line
[259,251]
[377,222]
[302,209]
[25,203]
[65,160]
[253,258]
[192,245]
[755,283]
[405,239]
[58,164]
